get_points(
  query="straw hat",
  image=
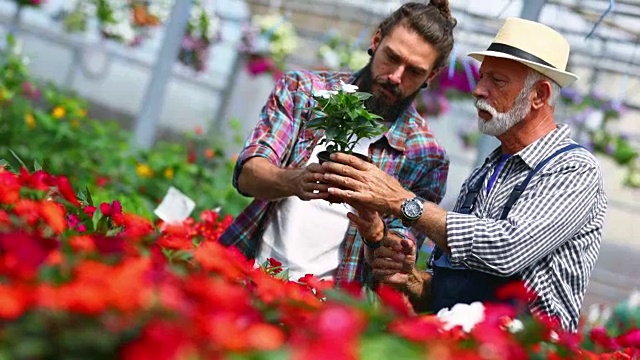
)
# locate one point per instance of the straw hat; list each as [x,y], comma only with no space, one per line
[533,44]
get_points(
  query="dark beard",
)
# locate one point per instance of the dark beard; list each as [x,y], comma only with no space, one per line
[377,104]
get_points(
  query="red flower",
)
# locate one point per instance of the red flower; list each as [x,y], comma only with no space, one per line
[135,226]
[515,291]
[67,192]
[89,210]
[102,181]
[109,245]
[418,329]
[113,209]
[630,339]
[10,187]
[160,340]
[22,254]
[274,266]
[39,180]
[395,300]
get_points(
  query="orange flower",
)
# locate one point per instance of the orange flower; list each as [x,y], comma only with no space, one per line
[264,337]
[53,215]
[82,243]
[126,286]
[55,258]
[227,261]
[209,153]
[84,298]
[14,301]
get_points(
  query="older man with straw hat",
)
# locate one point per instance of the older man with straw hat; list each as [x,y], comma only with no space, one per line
[532,213]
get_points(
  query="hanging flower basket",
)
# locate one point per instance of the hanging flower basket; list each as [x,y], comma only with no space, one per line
[266,42]
[203,30]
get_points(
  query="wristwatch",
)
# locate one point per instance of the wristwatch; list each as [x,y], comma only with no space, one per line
[411,210]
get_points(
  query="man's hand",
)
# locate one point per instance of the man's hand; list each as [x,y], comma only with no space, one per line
[369,223]
[308,185]
[265,181]
[363,185]
[394,261]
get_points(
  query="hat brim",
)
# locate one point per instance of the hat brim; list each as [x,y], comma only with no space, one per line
[562,78]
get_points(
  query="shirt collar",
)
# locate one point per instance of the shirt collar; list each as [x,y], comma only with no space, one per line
[537,151]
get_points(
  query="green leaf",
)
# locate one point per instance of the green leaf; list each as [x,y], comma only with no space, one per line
[362,95]
[316,123]
[18,158]
[36,165]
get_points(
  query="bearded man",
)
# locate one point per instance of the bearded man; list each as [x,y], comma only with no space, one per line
[289,220]
[532,213]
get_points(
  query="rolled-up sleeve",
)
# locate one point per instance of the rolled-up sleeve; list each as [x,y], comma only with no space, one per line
[276,130]
[544,218]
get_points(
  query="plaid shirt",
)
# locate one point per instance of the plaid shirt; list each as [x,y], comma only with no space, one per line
[552,235]
[408,151]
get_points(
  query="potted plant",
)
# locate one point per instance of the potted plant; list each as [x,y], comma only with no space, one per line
[341,113]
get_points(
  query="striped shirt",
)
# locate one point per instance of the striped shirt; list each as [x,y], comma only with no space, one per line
[552,235]
[407,150]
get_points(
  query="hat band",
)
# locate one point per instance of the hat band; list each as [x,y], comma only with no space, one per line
[508,49]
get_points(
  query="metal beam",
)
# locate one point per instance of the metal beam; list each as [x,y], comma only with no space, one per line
[146,122]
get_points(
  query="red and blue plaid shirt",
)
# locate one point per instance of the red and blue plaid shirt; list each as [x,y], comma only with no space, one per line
[408,151]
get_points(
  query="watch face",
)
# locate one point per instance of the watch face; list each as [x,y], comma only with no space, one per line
[412,209]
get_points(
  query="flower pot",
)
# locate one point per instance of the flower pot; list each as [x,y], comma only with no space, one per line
[323,156]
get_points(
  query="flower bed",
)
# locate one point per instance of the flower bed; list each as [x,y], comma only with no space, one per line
[85,280]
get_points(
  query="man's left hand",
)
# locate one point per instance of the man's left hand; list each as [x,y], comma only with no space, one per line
[369,223]
[362,184]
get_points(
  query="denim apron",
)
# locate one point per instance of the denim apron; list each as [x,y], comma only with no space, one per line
[453,284]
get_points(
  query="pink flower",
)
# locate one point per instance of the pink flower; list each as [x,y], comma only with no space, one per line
[259,65]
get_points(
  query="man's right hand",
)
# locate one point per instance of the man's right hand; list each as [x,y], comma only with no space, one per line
[263,180]
[308,185]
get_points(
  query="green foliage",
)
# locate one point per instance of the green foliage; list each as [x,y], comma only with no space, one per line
[47,126]
[345,120]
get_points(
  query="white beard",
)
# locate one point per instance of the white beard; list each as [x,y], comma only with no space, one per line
[501,122]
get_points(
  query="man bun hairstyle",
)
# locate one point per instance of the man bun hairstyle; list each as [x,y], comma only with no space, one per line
[432,21]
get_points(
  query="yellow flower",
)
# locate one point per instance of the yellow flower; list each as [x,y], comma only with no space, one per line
[75,123]
[82,112]
[144,171]
[58,112]
[30,120]
[168,173]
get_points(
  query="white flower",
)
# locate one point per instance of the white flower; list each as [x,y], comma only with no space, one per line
[465,315]
[348,88]
[325,94]
[515,326]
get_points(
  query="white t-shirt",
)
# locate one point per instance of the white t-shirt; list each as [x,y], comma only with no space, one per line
[307,236]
